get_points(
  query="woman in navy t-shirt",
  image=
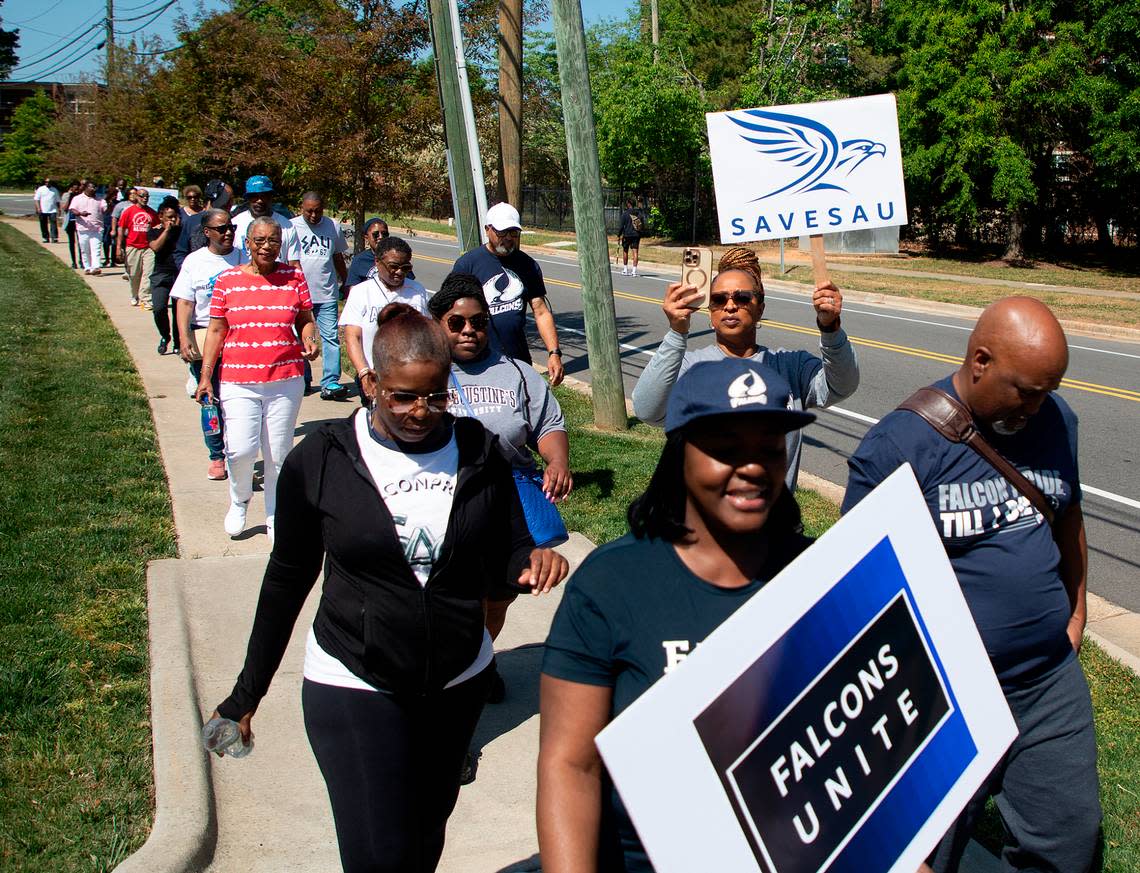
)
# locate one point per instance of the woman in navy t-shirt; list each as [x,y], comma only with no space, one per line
[714,525]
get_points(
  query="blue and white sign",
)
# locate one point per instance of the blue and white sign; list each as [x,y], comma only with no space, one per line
[806,169]
[839,721]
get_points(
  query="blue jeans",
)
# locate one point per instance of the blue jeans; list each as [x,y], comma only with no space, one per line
[215,443]
[327,315]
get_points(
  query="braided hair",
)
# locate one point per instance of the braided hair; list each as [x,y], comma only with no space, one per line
[744,259]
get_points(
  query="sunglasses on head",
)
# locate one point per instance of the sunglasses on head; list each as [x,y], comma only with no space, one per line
[719,299]
[480,321]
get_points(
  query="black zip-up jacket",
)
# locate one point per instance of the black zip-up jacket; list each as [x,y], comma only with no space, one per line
[374,616]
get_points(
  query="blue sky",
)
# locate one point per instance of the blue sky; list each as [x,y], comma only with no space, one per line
[58,37]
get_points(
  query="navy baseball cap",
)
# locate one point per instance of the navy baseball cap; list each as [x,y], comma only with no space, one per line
[258,185]
[214,189]
[729,386]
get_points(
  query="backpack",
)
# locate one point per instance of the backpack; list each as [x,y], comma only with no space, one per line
[636,220]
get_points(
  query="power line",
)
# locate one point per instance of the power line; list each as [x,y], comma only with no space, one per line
[147,13]
[147,24]
[41,15]
[197,37]
[92,42]
[63,42]
[65,45]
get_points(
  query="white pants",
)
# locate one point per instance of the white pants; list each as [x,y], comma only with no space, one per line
[91,249]
[259,416]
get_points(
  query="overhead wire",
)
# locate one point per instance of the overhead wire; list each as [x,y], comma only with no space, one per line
[92,42]
[64,41]
[195,37]
[22,69]
[151,11]
[154,17]
[40,15]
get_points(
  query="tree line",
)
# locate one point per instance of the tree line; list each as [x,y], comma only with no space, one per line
[1020,119]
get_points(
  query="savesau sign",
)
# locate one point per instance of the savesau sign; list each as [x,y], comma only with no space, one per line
[805,169]
[840,720]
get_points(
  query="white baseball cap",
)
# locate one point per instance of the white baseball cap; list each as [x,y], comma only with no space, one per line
[503,216]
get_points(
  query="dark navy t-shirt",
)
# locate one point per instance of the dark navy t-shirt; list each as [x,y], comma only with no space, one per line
[509,284]
[631,613]
[1001,548]
[359,267]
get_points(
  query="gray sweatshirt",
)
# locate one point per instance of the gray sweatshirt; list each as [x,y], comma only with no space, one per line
[814,382]
[496,391]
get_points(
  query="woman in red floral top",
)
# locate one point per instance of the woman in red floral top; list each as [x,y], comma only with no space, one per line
[256,314]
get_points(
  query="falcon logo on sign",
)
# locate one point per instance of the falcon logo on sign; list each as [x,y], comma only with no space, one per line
[813,168]
[801,142]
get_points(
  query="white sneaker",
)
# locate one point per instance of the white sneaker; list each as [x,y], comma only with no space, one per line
[134,301]
[235,519]
[625,271]
[269,519]
[633,272]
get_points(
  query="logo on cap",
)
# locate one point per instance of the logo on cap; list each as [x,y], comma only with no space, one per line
[747,389]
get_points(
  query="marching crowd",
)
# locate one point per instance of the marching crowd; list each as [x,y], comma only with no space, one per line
[429,509]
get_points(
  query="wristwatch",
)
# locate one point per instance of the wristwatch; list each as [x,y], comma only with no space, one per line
[555,352]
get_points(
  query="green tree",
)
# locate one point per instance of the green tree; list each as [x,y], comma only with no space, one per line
[23,156]
[9,42]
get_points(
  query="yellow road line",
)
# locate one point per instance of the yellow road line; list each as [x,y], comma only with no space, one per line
[1076,384]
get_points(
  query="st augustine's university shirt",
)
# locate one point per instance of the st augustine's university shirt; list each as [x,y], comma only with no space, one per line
[1001,548]
[418,489]
[509,283]
[317,245]
[631,613]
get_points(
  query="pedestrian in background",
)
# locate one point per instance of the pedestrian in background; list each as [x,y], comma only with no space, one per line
[375,229]
[110,201]
[414,518]
[125,199]
[192,194]
[512,279]
[629,235]
[322,248]
[192,292]
[88,212]
[257,311]
[134,246]
[46,198]
[389,281]
[69,226]
[162,240]
[192,237]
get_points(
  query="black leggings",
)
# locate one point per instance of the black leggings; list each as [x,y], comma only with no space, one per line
[391,766]
[162,307]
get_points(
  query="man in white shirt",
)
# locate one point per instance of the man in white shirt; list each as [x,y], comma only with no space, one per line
[47,208]
[322,248]
[259,200]
[386,283]
[193,289]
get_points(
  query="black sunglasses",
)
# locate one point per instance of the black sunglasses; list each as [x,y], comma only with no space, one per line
[719,299]
[479,321]
[220,228]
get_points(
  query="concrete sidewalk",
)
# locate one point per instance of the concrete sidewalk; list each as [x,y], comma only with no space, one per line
[270,812]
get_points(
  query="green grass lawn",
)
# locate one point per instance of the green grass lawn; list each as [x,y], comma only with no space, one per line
[612,469]
[83,507]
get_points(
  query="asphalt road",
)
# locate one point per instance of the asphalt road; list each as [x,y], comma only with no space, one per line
[899,351]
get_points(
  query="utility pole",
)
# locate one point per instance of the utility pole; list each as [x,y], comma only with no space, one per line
[510,101]
[653,25]
[589,217]
[460,159]
[110,37]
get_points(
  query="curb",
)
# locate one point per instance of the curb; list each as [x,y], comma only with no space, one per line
[185,823]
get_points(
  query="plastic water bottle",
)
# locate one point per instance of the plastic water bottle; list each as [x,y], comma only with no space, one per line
[211,422]
[224,735]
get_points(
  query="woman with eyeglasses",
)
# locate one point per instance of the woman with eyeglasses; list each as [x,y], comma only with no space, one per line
[389,281]
[192,291]
[414,517]
[736,305]
[510,399]
[257,313]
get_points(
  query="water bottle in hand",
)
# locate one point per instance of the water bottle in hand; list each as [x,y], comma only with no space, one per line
[211,421]
[224,735]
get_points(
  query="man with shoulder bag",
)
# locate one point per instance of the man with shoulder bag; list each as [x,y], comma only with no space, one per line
[995,453]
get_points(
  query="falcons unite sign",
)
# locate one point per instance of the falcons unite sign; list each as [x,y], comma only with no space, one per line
[807,169]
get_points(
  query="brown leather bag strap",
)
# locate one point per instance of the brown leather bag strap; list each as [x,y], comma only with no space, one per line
[954,421]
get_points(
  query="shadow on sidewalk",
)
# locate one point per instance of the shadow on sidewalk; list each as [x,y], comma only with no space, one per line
[519,668]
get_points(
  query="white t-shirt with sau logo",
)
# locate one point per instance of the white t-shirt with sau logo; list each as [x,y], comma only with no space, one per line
[318,244]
